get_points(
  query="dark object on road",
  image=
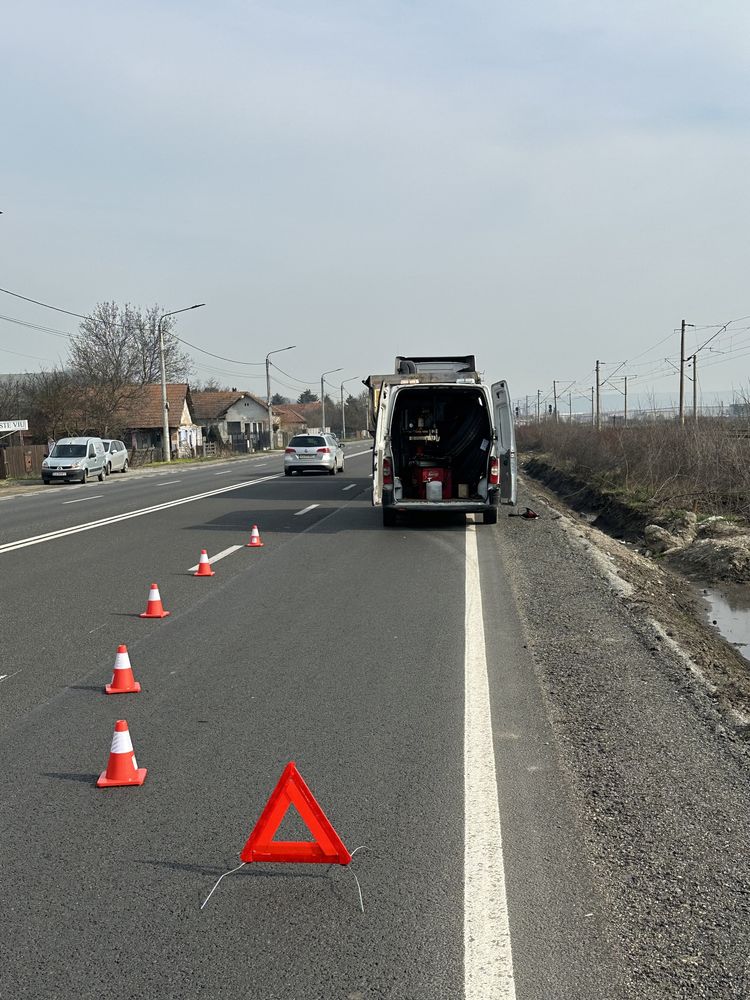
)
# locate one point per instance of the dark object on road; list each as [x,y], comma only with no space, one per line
[528,513]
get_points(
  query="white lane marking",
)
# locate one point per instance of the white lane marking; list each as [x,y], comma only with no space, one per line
[226,473]
[311,507]
[96,496]
[219,555]
[351,487]
[5,677]
[62,532]
[488,958]
[157,486]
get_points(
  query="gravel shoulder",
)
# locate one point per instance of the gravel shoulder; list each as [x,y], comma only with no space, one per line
[649,708]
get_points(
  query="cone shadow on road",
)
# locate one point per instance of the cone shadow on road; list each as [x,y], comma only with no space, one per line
[70,776]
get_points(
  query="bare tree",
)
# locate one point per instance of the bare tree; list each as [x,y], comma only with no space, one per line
[56,406]
[116,351]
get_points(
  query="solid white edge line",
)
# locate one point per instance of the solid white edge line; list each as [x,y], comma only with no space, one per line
[306,510]
[488,958]
[219,555]
[96,496]
[63,532]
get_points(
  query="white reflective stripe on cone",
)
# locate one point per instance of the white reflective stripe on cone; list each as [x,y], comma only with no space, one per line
[154,595]
[122,661]
[121,743]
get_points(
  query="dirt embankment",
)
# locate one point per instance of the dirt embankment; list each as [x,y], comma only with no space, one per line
[712,549]
[662,562]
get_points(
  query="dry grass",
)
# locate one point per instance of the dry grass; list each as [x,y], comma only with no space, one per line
[703,466]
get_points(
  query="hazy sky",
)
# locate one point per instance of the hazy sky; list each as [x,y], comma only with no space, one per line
[539,184]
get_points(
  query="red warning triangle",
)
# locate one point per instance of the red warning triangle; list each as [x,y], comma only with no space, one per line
[326,848]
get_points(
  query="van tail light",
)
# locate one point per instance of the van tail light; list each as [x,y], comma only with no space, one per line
[387,472]
[494,478]
[324,451]
[290,451]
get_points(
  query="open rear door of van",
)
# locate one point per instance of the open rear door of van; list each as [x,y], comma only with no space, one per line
[506,441]
[378,451]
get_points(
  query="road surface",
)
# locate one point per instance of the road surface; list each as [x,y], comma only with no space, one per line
[547,808]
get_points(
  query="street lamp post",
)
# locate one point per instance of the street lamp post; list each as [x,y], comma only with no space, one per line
[323,397]
[166,451]
[343,414]
[268,392]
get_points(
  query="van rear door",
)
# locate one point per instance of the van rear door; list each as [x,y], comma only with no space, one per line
[378,451]
[506,441]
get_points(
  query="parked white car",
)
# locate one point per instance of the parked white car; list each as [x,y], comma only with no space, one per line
[321,452]
[116,456]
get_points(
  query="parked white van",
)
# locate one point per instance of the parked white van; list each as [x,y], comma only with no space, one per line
[75,459]
[444,440]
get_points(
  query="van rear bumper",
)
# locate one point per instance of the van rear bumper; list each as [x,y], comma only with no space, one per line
[457,506]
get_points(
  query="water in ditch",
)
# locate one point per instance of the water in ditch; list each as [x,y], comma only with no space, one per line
[729,612]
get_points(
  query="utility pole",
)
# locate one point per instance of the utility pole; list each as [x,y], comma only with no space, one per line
[166,450]
[682,374]
[695,386]
[598,401]
[527,407]
[626,401]
[269,407]
[538,403]
[554,397]
[570,408]
[593,421]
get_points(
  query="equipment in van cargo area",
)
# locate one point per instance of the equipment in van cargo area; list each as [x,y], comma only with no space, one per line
[443,436]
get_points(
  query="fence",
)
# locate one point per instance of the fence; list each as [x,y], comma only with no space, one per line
[19,463]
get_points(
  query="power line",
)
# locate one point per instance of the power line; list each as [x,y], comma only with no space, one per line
[45,305]
[36,326]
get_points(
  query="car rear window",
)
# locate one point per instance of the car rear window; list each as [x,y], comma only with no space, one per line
[69,451]
[307,441]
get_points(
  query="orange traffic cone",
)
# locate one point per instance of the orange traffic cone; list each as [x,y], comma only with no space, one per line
[154,607]
[122,681]
[122,768]
[204,566]
[255,541]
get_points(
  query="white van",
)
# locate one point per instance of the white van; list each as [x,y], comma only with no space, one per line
[74,460]
[443,439]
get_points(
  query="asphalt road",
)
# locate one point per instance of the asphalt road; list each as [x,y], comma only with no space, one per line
[373,658]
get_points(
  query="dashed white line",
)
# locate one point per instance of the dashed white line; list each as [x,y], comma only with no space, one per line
[156,487]
[488,958]
[102,522]
[305,511]
[96,496]
[350,487]
[226,473]
[219,555]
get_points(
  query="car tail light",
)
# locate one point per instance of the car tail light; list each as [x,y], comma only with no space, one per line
[290,451]
[494,472]
[325,451]
[387,472]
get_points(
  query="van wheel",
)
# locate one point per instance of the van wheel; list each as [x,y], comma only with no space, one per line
[125,466]
[85,476]
[107,469]
[389,517]
[490,516]
[101,475]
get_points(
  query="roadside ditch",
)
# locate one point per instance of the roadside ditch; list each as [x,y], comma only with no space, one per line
[688,577]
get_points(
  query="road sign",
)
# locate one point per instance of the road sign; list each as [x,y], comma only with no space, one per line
[14,425]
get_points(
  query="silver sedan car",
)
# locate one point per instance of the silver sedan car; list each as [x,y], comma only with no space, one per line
[313,451]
